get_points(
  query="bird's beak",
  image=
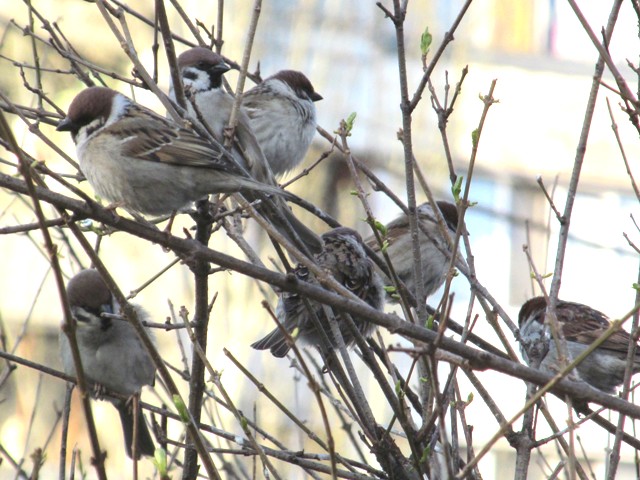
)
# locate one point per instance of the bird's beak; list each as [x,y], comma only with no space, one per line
[65,125]
[106,308]
[220,68]
[316,96]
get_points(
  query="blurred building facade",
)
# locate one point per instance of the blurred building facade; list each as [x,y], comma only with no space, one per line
[543,63]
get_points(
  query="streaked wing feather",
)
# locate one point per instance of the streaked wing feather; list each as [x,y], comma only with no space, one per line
[584,324]
[398,226]
[394,230]
[256,162]
[148,136]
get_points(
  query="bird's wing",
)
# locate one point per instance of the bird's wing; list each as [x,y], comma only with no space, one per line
[584,324]
[147,136]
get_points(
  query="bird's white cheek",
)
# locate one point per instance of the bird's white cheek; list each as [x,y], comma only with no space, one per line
[200,83]
[81,141]
[85,133]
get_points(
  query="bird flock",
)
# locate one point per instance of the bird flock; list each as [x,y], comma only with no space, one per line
[152,165]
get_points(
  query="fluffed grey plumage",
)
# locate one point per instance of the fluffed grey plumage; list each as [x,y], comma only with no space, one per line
[344,258]
[581,325]
[144,162]
[201,71]
[435,263]
[112,356]
[282,114]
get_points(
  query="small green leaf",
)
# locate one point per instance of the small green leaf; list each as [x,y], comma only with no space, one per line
[160,461]
[457,188]
[475,135]
[390,289]
[381,227]
[348,124]
[543,276]
[470,398]
[354,193]
[635,286]
[425,454]
[399,389]
[295,333]
[429,322]
[425,42]
[182,408]
[385,245]
[244,423]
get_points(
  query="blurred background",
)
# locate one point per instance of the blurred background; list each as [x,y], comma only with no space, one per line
[543,62]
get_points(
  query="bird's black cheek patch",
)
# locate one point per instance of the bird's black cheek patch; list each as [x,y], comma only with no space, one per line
[105,324]
[189,75]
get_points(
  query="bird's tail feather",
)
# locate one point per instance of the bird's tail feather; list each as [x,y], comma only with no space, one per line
[275,342]
[283,219]
[145,444]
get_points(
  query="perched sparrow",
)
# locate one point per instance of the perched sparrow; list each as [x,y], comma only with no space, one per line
[112,355]
[344,257]
[432,246]
[201,71]
[144,162]
[278,118]
[283,118]
[581,326]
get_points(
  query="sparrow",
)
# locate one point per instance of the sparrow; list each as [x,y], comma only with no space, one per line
[201,72]
[581,326]
[282,115]
[144,162]
[112,356]
[435,263]
[344,257]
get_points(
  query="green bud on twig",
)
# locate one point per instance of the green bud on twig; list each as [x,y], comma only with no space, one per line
[425,42]
[457,188]
[182,409]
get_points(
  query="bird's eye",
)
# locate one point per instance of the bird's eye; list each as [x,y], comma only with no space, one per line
[352,284]
[202,65]
[302,273]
